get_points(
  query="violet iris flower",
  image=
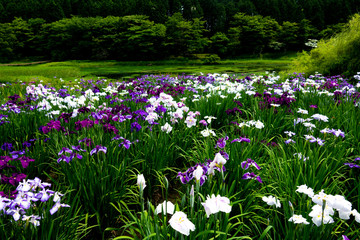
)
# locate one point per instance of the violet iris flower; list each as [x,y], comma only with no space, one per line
[136,126]
[126,143]
[222,142]
[289,141]
[65,149]
[6,146]
[26,144]
[203,122]
[73,154]
[188,174]
[241,139]
[249,162]
[56,207]
[78,148]
[224,154]
[251,176]
[352,165]
[65,158]
[16,154]
[87,141]
[97,149]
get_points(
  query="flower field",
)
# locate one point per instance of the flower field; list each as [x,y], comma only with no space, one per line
[186,157]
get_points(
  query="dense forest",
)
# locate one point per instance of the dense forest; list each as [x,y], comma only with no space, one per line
[216,13]
[145,29]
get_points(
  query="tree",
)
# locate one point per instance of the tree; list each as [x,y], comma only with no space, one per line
[252,34]
[219,44]
[289,35]
[214,15]
[131,37]
[8,42]
[185,37]
[3,13]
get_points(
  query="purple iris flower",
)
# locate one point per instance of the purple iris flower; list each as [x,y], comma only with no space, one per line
[241,139]
[110,128]
[86,123]
[251,176]
[233,111]
[44,195]
[65,150]
[12,194]
[203,122]
[16,154]
[126,143]
[222,142]
[160,109]
[4,160]
[65,158]
[78,148]
[289,141]
[16,178]
[352,165]
[26,144]
[56,207]
[16,110]
[136,126]
[25,161]
[357,159]
[188,174]
[74,154]
[249,162]
[345,237]
[36,182]
[97,116]
[97,149]
[7,146]
[224,154]
[87,141]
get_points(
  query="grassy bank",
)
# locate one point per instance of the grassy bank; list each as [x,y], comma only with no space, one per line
[116,70]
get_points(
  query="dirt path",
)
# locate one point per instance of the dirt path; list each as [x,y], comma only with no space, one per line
[24,64]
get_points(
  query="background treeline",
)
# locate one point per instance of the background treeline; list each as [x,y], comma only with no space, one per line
[136,37]
[216,13]
[149,30]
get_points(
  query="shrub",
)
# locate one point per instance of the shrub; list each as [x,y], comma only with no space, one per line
[211,59]
[337,55]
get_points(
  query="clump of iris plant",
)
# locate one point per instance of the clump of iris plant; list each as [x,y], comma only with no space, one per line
[201,170]
[23,202]
[68,155]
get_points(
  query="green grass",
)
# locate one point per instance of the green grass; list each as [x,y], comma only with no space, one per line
[69,70]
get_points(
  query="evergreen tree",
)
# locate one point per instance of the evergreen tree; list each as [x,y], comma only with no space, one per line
[214,15]
[51,11]
[3,15]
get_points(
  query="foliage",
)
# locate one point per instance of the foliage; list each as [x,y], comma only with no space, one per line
[211,59]
[216,13]
[252,34]
[184,37]
[337,55]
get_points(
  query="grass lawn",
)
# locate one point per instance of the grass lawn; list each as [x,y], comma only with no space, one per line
[69,70]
